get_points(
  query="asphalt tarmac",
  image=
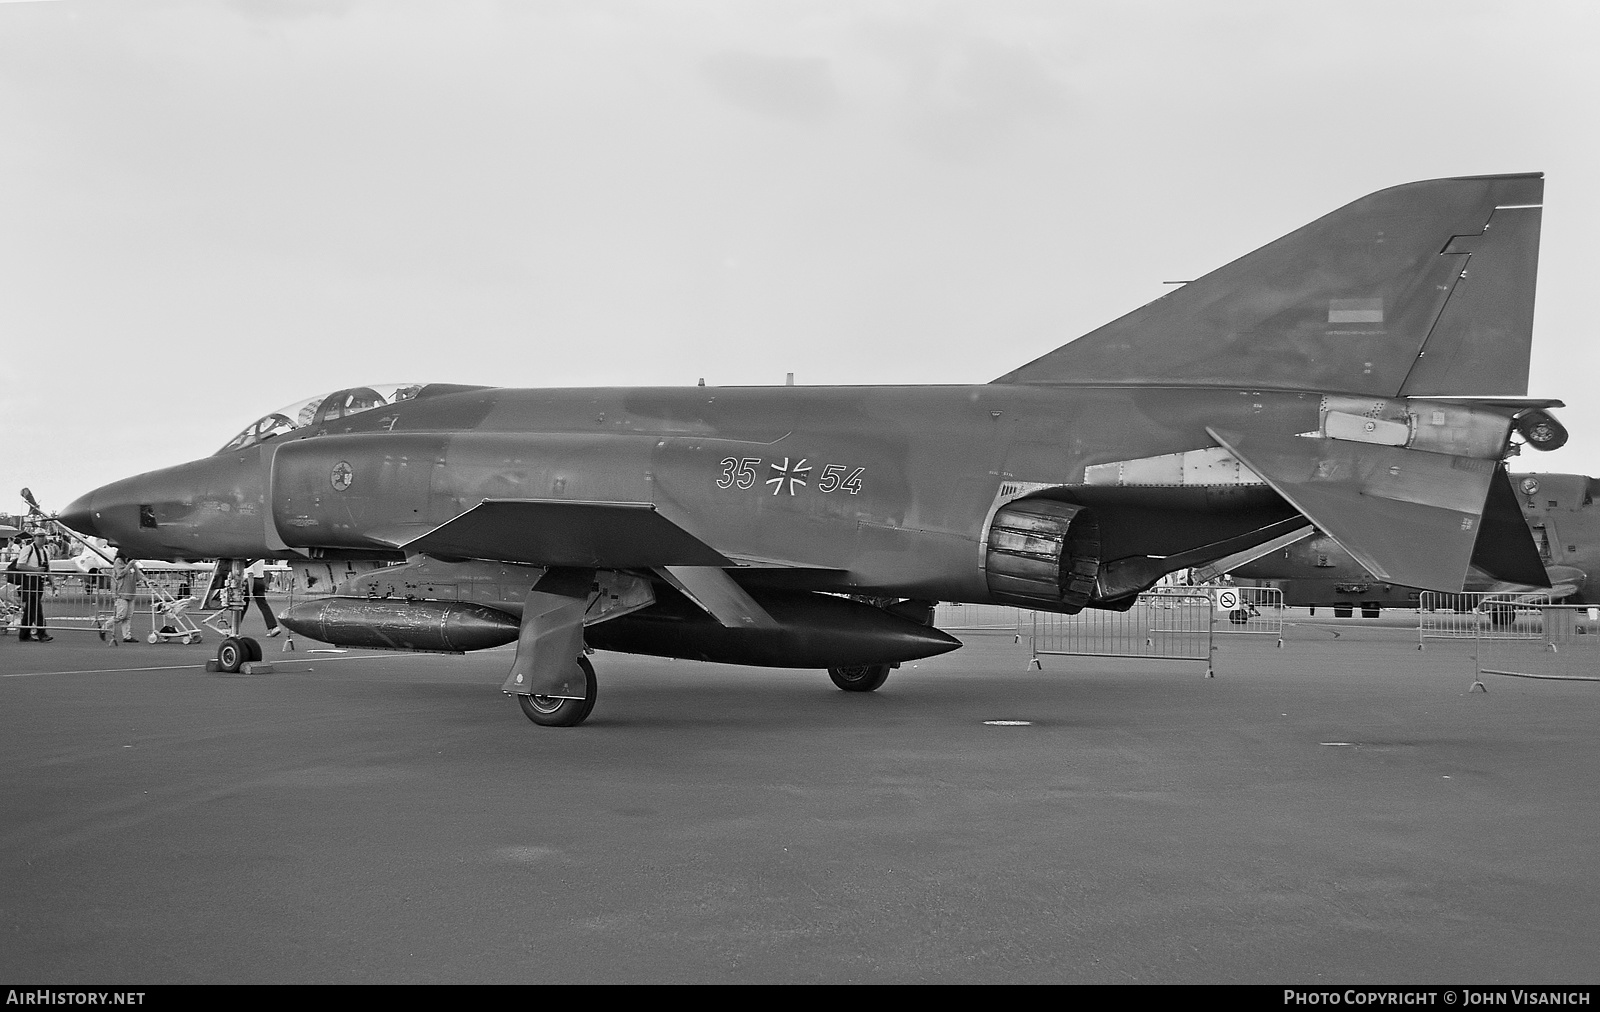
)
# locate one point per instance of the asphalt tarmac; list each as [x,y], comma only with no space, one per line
[1338,810]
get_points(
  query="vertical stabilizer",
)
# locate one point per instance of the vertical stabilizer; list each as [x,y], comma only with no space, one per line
[1420,289]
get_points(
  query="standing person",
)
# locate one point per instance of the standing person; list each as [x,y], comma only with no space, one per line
[34,565]
[125,575]
[256,590]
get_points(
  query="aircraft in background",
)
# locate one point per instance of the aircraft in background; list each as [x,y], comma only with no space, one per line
[1365,374]
[1561,515]
[96,556]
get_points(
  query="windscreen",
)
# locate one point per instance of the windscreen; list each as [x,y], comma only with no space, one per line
[316,410]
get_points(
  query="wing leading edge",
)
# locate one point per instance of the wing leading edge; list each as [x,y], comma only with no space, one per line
[587,536]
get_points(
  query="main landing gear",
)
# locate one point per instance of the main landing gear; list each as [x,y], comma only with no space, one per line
[559,711]
[553,681]
[860,677]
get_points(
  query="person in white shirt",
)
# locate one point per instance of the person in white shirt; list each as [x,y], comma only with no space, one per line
[34,566]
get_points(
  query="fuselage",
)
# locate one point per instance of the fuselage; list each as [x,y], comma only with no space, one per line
[889,488]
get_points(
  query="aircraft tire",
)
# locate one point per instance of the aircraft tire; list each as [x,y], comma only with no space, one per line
[1341,611]
[1238,616]
[231,653]
[588,703]
[860,677]
[547,712]
[253,646]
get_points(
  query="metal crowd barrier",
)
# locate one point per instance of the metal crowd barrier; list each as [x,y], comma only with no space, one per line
[1171,626]
[999,618]
[72,603]
[1478,615]
[1251,610]
[86,602]
[1564,646]
[81,588]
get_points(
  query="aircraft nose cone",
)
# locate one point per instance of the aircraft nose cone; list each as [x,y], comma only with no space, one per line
[80,517]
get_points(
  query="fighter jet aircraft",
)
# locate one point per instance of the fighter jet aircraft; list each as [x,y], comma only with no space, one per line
[1366,373]
[1561,515]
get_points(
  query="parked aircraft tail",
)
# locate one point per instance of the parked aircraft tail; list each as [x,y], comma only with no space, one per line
[1424,289]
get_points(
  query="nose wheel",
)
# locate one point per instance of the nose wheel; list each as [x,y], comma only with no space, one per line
[235,651]
[560,711]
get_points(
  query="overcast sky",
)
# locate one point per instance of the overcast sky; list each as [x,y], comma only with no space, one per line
[211,209]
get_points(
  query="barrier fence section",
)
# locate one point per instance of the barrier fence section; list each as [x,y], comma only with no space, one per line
[1478,615]
[1000,618]
[1249,610]
[1172,625]
[1564,646]
[75,602]
[86,602]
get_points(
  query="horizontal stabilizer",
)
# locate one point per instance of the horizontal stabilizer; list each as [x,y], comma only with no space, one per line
[560,532]
[1409,516]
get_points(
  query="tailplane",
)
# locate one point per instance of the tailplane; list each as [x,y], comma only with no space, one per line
[1409,516]
[1418,290]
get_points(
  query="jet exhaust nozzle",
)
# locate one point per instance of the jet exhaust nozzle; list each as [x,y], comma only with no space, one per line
[441,626]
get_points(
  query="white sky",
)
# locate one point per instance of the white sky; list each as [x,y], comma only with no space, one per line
[209,209]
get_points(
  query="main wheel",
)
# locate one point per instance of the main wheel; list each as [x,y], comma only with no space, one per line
[231,653]
[550,711]
[1341,611]
[252,646]
[1239,616]
[859,677]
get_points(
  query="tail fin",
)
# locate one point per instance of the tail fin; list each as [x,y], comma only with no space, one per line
[1420,289]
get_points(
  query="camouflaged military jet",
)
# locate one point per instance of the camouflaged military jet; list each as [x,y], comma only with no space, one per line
[1560,512]
[1366,374]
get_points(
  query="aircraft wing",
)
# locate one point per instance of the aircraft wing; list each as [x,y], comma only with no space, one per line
[1409,516]
[561,532]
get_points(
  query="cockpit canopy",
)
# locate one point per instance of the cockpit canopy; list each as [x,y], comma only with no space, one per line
[318,410]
